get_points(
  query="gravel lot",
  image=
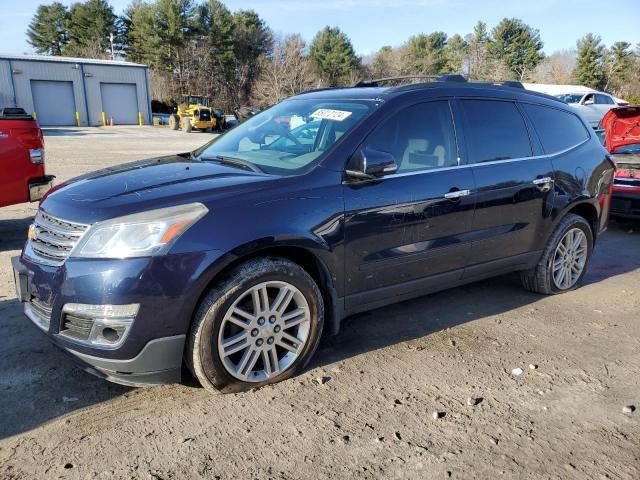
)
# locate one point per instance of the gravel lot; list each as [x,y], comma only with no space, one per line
[365,407]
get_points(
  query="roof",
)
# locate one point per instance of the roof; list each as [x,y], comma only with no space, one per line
[553,89]
[382,93]
[86,61]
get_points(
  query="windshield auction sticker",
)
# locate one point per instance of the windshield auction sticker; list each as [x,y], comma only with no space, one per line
[328,114]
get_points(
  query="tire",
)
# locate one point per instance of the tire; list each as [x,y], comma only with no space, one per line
[186,124]
[541,279]
[212,324]
[174,122]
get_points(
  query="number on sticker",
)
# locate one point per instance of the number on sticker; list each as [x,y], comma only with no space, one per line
[328,114]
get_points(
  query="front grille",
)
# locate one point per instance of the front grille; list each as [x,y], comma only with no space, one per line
[76,327]
[39,313]
[51,239]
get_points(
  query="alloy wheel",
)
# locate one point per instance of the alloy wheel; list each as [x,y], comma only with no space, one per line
[569,259]
[264,331]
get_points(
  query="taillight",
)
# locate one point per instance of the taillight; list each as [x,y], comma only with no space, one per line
[29,137]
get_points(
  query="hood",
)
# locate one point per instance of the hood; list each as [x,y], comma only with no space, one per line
[144,185]
[622,127]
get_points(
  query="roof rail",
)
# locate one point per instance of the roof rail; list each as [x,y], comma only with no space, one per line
[509,83]
[438,78]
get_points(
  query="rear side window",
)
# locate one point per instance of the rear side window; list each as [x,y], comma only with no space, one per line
[558,130]
[604,100]
[495,130]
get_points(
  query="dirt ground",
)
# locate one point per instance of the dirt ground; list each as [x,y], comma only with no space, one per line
[365,406]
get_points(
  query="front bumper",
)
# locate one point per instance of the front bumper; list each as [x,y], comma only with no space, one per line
[166,288]
[39,186]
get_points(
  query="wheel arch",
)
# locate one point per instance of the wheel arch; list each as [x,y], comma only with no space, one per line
[589,212]
[300,253]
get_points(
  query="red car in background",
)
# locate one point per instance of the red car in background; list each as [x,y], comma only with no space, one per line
[622,139]
[22,175]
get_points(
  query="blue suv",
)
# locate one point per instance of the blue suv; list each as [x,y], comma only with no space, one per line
[233,259]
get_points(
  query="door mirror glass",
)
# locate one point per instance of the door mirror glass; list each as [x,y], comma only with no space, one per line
[368,163]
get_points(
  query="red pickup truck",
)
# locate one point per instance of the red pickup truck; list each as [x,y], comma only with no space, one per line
[22,175]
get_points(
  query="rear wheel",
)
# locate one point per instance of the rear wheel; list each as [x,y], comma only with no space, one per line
[174,122]
[260,325]
[565,259]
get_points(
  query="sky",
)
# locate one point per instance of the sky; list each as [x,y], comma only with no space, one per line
[372,24]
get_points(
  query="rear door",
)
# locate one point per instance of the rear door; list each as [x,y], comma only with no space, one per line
[414,223]
[514,185]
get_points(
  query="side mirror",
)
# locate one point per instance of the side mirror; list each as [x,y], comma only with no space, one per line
[367,164]
[589,101]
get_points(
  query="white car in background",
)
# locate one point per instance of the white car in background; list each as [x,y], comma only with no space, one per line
[592,104]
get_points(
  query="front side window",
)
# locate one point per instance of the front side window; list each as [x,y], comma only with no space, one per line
[558,130]
[420,137]
[495,130]
[570,97]
[288,137]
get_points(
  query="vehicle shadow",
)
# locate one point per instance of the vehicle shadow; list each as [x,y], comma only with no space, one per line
[39,383]
[13,233]
[617,253]
[68,132]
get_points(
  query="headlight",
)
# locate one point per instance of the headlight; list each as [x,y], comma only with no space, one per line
[139,235]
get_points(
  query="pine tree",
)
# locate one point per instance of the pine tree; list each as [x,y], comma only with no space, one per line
[455,53]
[89,27]
[619,64]
[517,46]
[589,69]
[333,55]
[425,53]
[477,51]
[47,32]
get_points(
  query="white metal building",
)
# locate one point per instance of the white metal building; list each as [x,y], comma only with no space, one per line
[76,91]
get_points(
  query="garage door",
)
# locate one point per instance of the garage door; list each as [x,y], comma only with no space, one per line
[120,102]
[54,102]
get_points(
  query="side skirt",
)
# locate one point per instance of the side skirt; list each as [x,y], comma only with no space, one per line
[381,297]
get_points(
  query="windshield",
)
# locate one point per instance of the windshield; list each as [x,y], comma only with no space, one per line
[570,97]
[288,137]
[635,148]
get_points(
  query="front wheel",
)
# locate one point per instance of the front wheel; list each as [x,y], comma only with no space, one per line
[260,325]
[565,259]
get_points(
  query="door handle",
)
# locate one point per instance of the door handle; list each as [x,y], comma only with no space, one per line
[457,194]
[543,183]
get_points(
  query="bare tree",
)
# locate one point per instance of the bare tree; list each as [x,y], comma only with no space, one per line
[557,68]
[287,71]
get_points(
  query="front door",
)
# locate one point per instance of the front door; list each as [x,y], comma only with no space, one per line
[414,223]
[514,185]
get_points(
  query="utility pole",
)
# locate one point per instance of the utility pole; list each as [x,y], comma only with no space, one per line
[113,53]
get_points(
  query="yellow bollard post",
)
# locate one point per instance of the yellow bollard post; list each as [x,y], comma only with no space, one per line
[35,117]
[104,120]
[140,118]
[78,118]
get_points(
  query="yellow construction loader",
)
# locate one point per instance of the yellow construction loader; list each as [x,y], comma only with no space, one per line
[193,111]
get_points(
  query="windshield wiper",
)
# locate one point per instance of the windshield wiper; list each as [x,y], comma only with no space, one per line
[235,162]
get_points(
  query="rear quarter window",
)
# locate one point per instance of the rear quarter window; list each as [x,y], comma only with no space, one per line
[558,130]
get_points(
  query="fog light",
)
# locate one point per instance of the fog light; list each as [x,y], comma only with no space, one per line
[108,325]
